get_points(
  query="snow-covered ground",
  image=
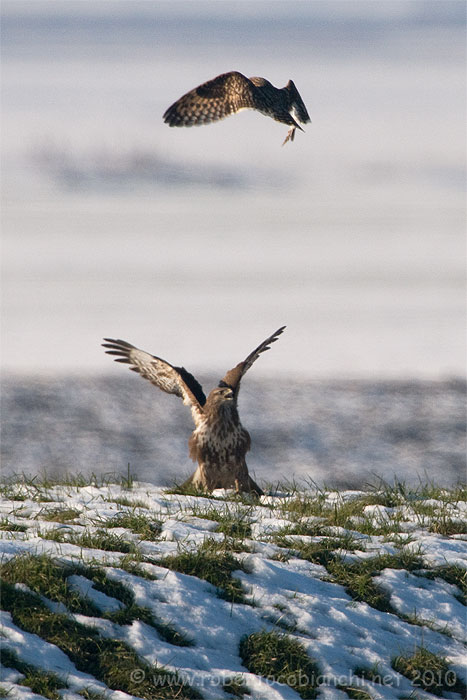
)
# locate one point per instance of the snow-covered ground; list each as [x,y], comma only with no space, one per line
[282,591]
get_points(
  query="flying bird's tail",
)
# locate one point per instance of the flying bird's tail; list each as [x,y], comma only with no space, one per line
[297,104]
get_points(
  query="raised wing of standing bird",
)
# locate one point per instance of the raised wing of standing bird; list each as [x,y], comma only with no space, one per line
[171,379]
[233,376]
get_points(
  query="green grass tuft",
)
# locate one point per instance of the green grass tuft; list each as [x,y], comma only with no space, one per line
[60,515]
[282,659]
[7,526]
[212,564]
[101,539]
[429,672]
[235,686]
[143,525]
[322,551]
[91,695]
[354,692]
[233,522]
[447,526]
[132,564]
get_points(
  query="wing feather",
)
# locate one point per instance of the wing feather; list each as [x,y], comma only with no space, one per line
[172,380]
[211,101]
[234,376]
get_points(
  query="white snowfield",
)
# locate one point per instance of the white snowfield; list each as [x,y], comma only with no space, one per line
[288,594]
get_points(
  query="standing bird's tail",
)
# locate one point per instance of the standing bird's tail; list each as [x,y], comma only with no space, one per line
[297,104]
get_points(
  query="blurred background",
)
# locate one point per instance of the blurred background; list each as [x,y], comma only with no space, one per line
[195,244]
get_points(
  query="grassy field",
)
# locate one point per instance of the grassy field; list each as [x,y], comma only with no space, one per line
[113,587]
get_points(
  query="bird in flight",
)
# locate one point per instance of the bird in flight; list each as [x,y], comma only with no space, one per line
[219,442]
[229,93]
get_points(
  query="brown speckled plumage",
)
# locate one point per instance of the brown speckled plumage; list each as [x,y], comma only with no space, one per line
[219,442]
[231,92]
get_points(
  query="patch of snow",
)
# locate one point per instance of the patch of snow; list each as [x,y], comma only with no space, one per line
[431,600]
[86,589]
[438,550]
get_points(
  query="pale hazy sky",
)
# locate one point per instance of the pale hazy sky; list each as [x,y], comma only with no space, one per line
[353,236]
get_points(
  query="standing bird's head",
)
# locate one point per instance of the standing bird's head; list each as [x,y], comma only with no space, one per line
[221,404]
[222,394]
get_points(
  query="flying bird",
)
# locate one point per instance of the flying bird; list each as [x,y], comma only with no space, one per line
[229,93]
[219,442]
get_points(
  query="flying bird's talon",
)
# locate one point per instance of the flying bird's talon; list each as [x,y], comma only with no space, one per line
[290,135]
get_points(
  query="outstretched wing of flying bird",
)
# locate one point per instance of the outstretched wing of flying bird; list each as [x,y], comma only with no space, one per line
[211,101]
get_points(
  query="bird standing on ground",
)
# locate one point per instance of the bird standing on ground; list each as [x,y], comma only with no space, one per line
[231,92]
[219,442]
